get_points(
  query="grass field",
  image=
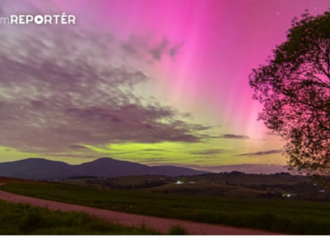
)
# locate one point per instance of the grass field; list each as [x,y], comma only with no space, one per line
[284,216]
[205,189]
[20,219]
[234,184]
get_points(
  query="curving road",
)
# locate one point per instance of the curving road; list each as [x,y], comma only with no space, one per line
[160,224]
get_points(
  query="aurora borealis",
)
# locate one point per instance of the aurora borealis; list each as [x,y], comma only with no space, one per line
[149,81]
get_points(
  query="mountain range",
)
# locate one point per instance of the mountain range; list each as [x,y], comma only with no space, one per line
[43,169]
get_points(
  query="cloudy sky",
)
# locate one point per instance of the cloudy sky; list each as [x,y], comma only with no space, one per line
[150,81]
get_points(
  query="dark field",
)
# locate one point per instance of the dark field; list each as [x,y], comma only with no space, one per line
[20,219]
[291,216]
[234,184]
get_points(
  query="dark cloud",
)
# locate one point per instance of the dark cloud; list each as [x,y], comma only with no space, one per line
[148,48]
[174,50]
[159,49]
[207,152]
[262,153]
[79,148]
[135,46]
[234,136]
[61,86]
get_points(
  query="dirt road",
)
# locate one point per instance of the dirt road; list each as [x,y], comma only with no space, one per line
[160,224]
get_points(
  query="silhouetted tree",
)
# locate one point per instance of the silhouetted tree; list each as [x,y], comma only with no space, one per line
[294,88]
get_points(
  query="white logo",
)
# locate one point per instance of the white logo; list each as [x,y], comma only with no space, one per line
[39,19]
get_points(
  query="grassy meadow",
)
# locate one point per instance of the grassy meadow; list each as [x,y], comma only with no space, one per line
[283,216]
[21,219]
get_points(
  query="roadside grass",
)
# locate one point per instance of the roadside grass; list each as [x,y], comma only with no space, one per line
[282,216]
[21,219]
[177,230]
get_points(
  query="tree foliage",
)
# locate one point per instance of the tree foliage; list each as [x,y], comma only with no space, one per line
[294,88]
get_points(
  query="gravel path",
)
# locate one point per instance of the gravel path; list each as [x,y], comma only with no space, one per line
[160,224]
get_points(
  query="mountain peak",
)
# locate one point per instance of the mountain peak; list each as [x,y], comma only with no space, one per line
[38,160]
[104,159]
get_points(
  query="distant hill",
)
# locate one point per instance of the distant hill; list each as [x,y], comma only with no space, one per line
[42,169]
[36,169]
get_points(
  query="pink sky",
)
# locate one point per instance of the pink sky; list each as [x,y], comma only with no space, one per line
[215,45]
